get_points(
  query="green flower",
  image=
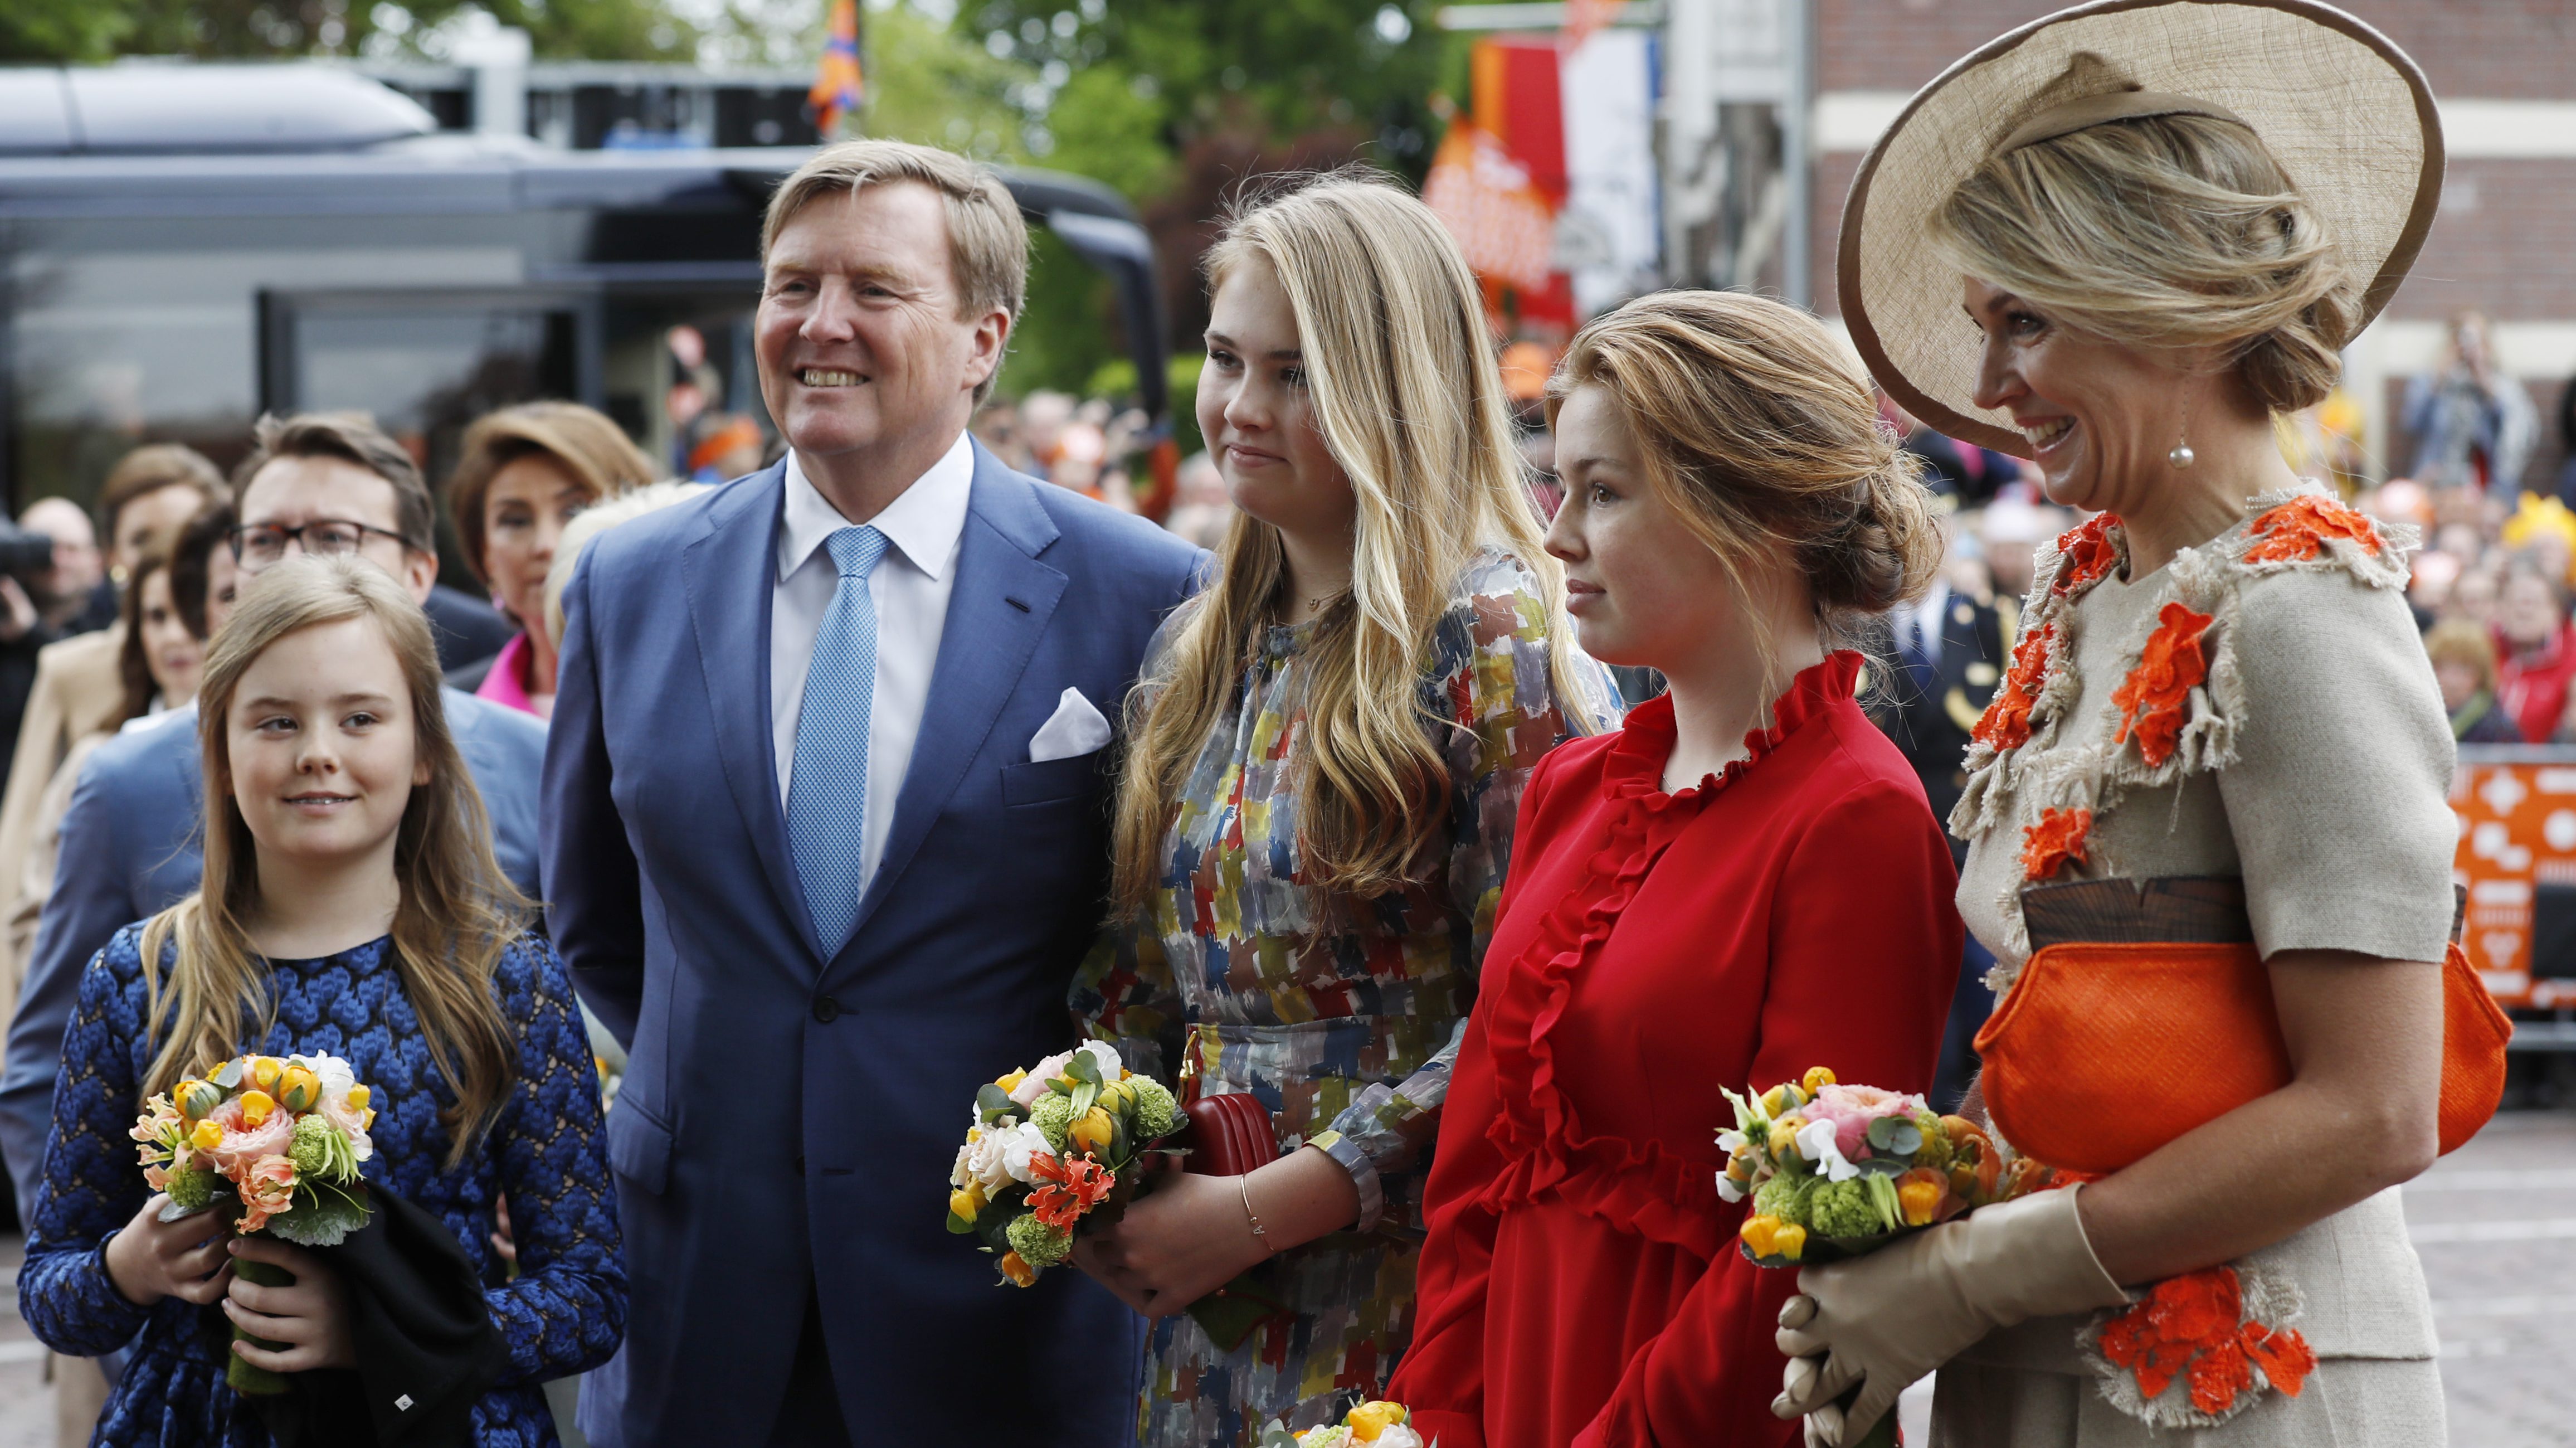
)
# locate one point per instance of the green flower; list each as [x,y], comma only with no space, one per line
[191,1189]
[320,1151]
[1936,1142]
[1787,1197]
[1038,1244]
[1844,1209]
[1053,1117]
[1156,1113]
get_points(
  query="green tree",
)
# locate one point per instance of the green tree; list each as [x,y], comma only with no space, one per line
[929,84]
[77,31]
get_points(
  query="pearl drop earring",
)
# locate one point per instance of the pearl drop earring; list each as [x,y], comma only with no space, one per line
[2181,456]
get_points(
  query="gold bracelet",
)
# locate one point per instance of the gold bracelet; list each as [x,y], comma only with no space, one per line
[1260,1233]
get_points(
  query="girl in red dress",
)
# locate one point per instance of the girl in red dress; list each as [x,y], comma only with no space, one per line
[1743,883]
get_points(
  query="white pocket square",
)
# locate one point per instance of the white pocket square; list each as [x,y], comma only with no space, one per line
[1075,728]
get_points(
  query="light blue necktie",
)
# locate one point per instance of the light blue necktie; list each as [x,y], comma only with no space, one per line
[827,792]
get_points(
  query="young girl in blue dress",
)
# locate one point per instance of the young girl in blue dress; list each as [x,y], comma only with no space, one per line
[351,905]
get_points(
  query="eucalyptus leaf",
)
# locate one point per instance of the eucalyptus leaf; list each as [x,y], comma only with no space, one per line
[991,1100]
[228,1075]
[1883,1166]
[959,1226]
[1083,1069]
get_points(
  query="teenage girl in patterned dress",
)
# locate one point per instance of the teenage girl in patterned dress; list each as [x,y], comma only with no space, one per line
[351,906]
[1326,762]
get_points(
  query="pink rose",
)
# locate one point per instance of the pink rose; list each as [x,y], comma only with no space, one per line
[243,1145]
[1852,1108]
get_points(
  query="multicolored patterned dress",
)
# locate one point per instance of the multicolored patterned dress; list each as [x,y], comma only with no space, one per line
[1339,1014]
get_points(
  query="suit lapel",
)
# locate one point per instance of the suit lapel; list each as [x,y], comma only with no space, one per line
[1003,599]
[729,571]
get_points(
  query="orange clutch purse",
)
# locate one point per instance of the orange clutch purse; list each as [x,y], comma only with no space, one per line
[2144,1011]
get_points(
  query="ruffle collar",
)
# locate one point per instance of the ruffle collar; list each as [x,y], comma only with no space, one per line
[1634,767]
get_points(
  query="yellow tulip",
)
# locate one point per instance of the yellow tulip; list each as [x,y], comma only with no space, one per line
[1816,1079]
[358,1098]
[298,1088]
[1782,1099]
[264,1071]
[1017,1268]
[1011,1082]
[1918,1200]
[256,1106]
[1760,1232]
[1369,1420]
[1095,1130]
[206,1137]
[1124,1073]
[1790,1241]
[961,1205]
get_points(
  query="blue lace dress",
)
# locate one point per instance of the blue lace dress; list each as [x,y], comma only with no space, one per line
[562,1314]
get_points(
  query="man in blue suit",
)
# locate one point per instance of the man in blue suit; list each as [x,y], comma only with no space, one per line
[826,820]
[130,842]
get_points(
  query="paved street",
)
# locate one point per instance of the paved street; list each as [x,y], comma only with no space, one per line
[2496,1223]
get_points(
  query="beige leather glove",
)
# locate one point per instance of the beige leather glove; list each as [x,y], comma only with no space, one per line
[1886,1319]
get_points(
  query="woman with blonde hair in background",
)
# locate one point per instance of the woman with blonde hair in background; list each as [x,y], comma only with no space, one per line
[1742,884]
[2208,837]
[1323,766]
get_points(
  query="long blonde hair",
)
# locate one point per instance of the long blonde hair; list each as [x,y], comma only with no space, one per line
[458,912]
[1406,393]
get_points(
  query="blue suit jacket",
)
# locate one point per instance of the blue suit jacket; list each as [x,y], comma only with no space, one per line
[788,1120]
[131,849]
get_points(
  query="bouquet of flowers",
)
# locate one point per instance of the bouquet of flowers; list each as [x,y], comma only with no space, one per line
[1839,1171]
[1050,1146]
[1836,1171]
[275,1144]
[1380,1423]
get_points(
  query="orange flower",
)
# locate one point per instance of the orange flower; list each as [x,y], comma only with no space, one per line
[1074,1185]
[2152,700]
[2087,554]
[266,1187]
[1017,1269]
[2057,839]
[2006,722]
[2194,1326]
[2294,531]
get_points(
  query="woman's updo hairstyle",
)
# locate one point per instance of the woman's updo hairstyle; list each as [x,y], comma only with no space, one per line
[2169,231]
[1762,434]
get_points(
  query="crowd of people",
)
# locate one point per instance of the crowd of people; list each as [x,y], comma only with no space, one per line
[1470,834]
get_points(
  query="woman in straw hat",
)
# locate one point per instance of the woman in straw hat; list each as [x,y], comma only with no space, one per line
[2208,840]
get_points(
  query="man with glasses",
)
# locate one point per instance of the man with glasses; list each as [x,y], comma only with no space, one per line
[318,483]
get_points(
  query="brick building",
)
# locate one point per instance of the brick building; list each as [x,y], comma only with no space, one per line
[2504,243]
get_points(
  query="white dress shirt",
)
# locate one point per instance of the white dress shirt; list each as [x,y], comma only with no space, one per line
[910,586]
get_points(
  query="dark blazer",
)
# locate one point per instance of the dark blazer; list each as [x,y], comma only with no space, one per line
[788,1119]
[131,848]
[1930,716]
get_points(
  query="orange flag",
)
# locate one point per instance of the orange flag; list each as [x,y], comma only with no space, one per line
[1502,222]
[838,86]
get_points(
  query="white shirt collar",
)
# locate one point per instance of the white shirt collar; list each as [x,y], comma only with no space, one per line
[923,523]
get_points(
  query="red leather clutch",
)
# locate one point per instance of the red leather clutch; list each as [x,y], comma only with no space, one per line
[1227,1135]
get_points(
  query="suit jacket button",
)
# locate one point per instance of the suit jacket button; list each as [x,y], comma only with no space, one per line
[827,1010]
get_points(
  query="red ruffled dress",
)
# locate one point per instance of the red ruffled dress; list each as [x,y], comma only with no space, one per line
[1581,1284]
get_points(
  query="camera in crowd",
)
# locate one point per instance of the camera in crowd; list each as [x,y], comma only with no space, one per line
[25,556]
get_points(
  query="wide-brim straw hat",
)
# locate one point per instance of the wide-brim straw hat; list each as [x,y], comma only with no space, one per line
[2343,110]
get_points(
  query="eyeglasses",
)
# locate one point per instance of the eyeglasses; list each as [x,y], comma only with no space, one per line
[261,544]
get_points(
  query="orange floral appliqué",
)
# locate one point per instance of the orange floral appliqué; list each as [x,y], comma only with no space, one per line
[2152,700]
[2055,840]
[2089,553]
[2194,1327]
[2294,531]
[2006,722]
